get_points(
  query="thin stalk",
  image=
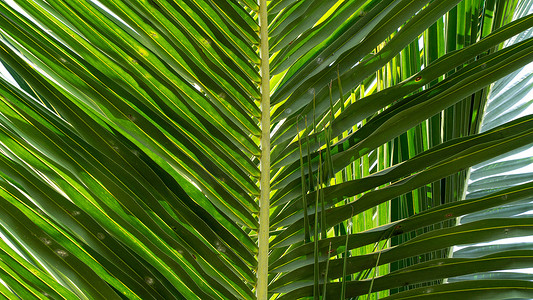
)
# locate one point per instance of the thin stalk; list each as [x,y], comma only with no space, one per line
[316,292]
[323,233]
[309,166]
[304,188]
[264,198]
[315,130]
[345,258]
[329,135]
[341,94]
[377,263]
[326,273]
[323,207]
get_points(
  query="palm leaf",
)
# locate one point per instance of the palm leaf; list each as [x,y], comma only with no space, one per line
[238,150]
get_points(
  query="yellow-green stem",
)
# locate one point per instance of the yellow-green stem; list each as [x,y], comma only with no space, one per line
[264,199]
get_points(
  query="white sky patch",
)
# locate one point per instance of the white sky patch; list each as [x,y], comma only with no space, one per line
[526,213]
[371,86]
[5,74]
[3,283]
[197,87]
[20,10]
[107,10]
[507,241]
[355,64]
[278,126]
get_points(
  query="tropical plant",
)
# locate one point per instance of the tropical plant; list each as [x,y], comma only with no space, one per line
[236,150]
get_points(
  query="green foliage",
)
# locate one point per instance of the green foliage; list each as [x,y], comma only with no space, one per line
[131,140]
